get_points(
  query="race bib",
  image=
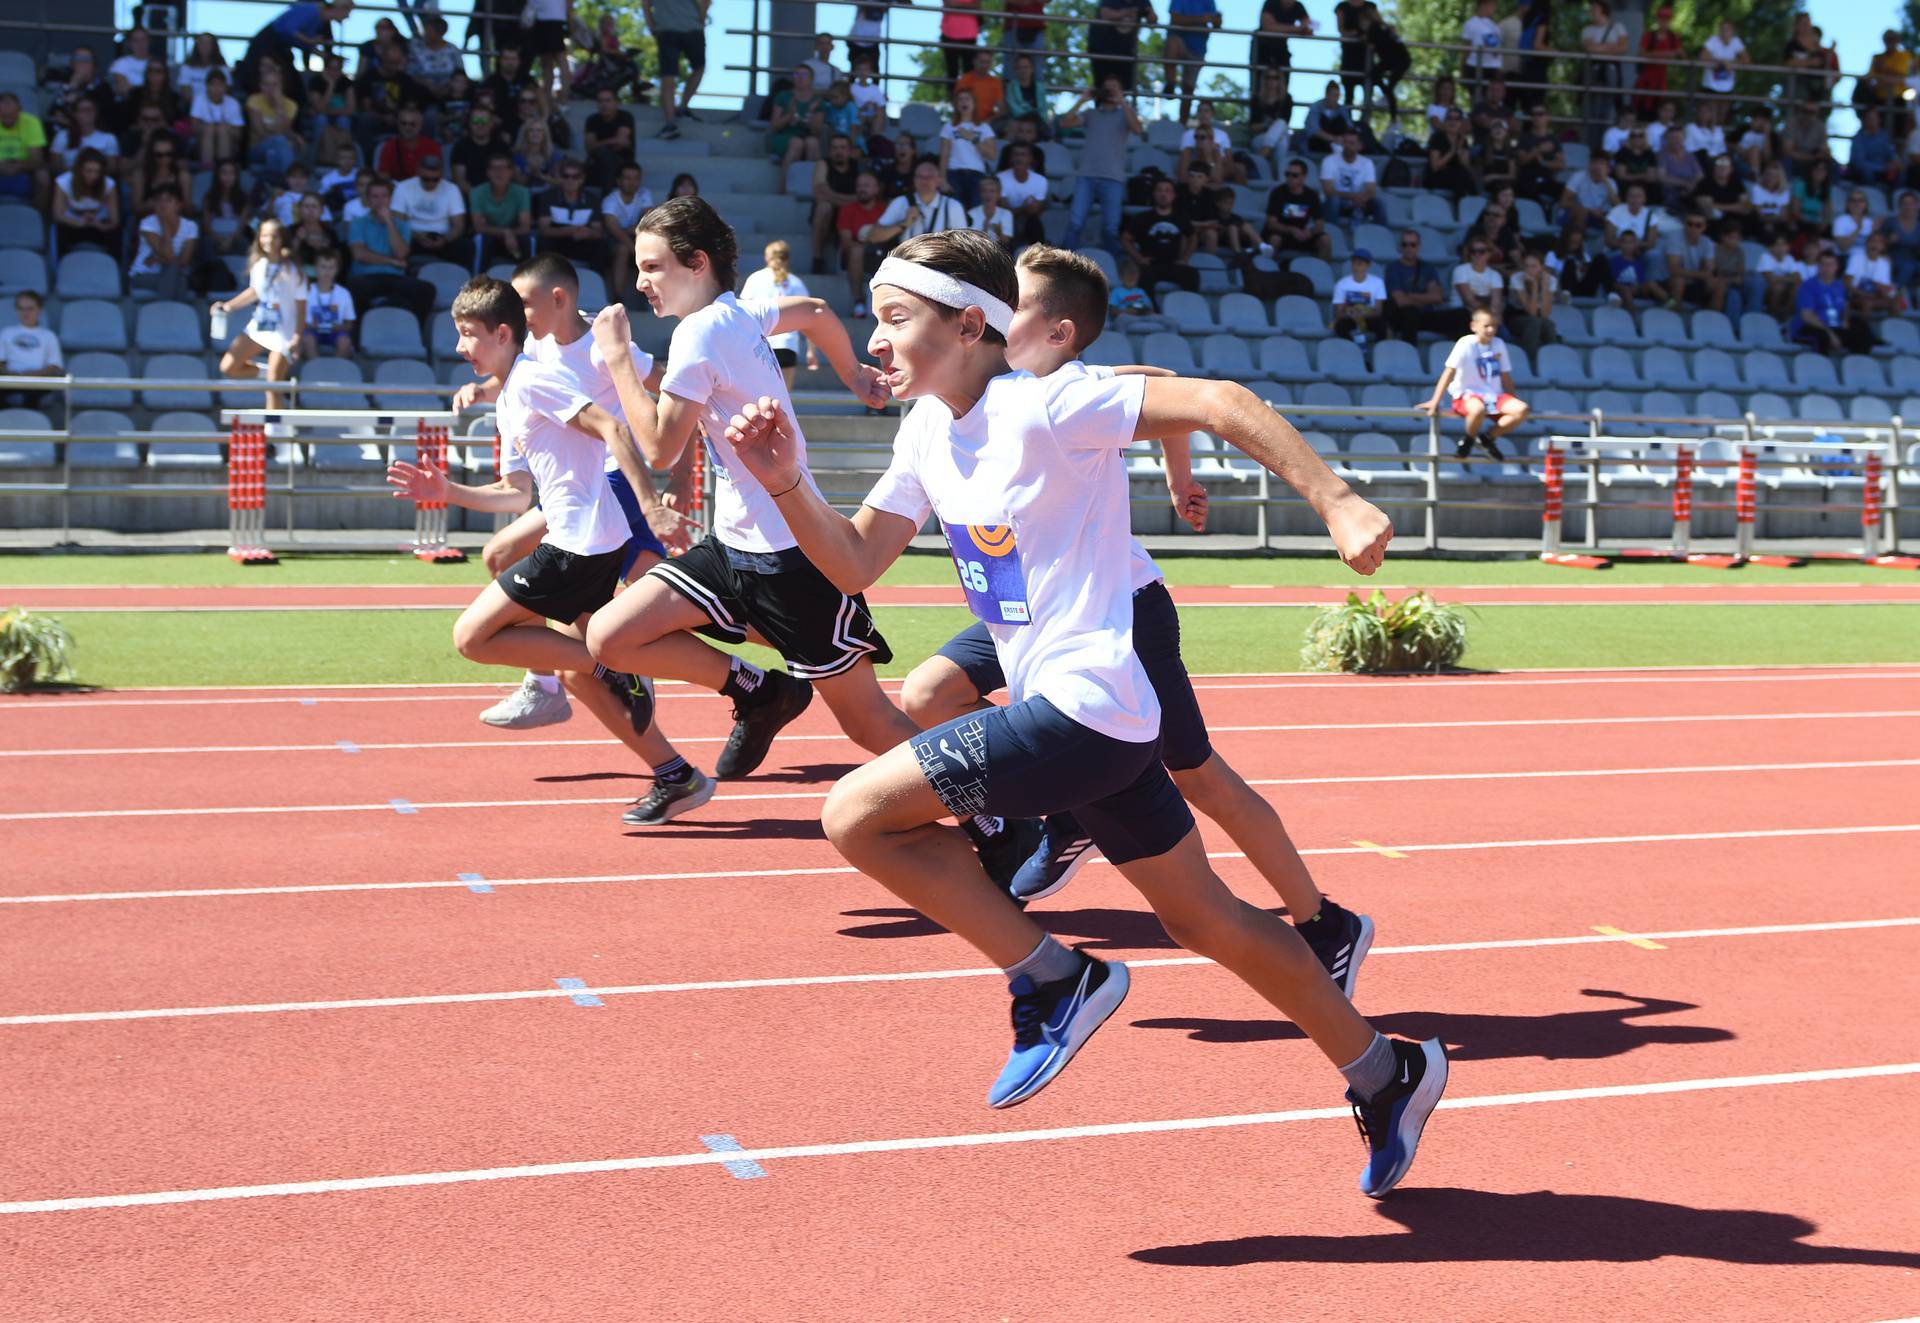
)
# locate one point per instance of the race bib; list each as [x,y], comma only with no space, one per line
[988,562]
[268,318]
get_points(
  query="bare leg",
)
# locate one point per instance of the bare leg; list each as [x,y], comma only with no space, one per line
[937,691]
[610,710]
[497,631]
[1510,417]
[1476,415]
[279,368]
[864,711]
[645,631]
[1251,822]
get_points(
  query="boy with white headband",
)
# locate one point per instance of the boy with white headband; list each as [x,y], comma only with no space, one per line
[1027,479]
[1063,308]
[747,580]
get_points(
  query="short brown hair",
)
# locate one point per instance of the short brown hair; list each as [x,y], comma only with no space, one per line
[971,256]
[492,303]
[1072,288]
[690,225]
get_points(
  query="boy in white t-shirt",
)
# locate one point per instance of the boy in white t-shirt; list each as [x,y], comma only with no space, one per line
[552,435]
[1028,479]
[1360,301]
[1479,375]
[1481,35]
[748,578]
[330,311]
[28,349]
[219,123]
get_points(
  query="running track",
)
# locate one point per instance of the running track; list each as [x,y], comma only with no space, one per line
[284,1037]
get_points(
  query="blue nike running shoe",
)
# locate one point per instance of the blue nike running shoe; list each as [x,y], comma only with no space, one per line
[1051,1021]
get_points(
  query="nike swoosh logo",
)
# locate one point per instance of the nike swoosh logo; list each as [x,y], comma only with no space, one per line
[1052,1033]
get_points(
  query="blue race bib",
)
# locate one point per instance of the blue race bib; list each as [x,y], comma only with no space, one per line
[988,562]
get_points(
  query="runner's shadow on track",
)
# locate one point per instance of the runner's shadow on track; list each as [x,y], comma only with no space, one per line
[1588,1035]
[805,773]
[1479,1226]
[571,777]
[760,829]
[1094,929]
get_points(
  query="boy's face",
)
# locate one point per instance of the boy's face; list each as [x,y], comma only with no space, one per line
[918,345]
[670,288]
[489,351]
[629,179]
[1483,327]
[26,311]
[1037,342]
[548,306]
[326,270]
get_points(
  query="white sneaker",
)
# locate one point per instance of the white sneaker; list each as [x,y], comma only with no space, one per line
[529,706]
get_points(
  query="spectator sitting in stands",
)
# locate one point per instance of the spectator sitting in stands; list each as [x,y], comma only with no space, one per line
[273,142]
[387,32]
[1689,255]
[1531,292]
[432,60]
[1229,230]
[1161,241]
[1813,197]
[1445,98]
[896,174]
[503,88]
[1805,140]
[1870,279]
[1872,159]
[330,319]
[609,139]
[1477,286]
[1736,287]
[1772,200]
[1780,273]
[333,104]
[869,98]
[794,125]
[83,130]
[965,147]
[1490,108]
[1026,94]
[1824,318]
[1498,167]
[1129,306]
[926,210]
[1580,276]
[569,218]
[341,183]
[381,241]
[990,217]
[1351,184]
[1025,192]
[609,66]
[1635,163]
[437,212]
[1633,217]
[1360,302]
[1479,376]
[1851,225]
[355,204]
[620,210]
[1023,132]
[1450,158]
[1903,240]
[1625,121]
[159,164]
[23,152]
[1759,146]
[833,181]
[381,93]
[129,68]
[852,221]
[1207,143]
[226,213]
[401,155]
[84,81]
[1538,160]
[1416,302]
[989,93]
[1665,122]
[1271,116]
[1193,199]
[1494,227]
[470,155]
[840,115]
[1913,155]
[1721,196]
[1589,195]
[219,122]
[28,349]
[166,240]
[86,207]
[535,158]
[312,235]
[1677,171]
[1630,274]
[1327,121]
[1705,137]
[1294,224]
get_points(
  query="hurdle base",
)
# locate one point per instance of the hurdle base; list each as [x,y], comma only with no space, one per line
[252,556]
[1778,562]
[440,555]
[1895,562]
[1711,561]
[1573,561]
[1649,553]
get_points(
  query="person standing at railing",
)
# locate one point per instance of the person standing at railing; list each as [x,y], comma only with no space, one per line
[959,34]
[679,30]
[1724,53]
[1109,126]
[1481,35]
[1190,25]
[300,30]
[1604,39]
[1885,83]
[1658,44]
[1115,40]
[1388,58]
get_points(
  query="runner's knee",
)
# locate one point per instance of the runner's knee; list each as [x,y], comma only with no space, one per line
[937,691]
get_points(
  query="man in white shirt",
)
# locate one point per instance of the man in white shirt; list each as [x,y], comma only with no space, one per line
[1351,185]
[1479,376]
[1481,35]
[821,63]
[438,214]
[1023,192]
[926,210]
[1360,301]
[990,217]
[1634,217]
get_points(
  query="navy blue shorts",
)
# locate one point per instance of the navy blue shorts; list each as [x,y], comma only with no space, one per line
[644,538]
[1030,759]
[1156,641]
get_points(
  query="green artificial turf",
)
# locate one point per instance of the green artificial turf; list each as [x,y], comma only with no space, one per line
[126,650]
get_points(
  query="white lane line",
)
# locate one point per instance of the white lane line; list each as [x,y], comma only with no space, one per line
[951,603]
[732,874]
[244,695]
[911,976]
[922,1143]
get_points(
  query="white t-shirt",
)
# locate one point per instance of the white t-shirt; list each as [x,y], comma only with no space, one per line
[943,213]
[30,348]
[868,94]
[1767,201]
[279,286]
[719,357]
[143,263]
[1517,284]
[1372,290]
[1014,192]
[1624,221]
[1001,226]
[81,208]
[1347,176]
[1477,368]
[1484,35]
[1769,265]
[626,214]
[130,67]
[1845,226]
[1483,283]
[1657,134]
[761,286]
[64,149]
[582,358]
[1614,139]
[1190,139]
[1031,489]
[192,80]
[1864,270]
[329,310]
[225,111]
[1711,139]
[429,211]
[568,466]
[972,144]
[1716,78]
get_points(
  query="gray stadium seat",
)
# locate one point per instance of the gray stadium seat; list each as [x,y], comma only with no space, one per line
[920,119]
[1243,314]
[1717,404]
[1552,399]
[1531,217]
[391,333]
[1324,394]
[1560,363]
[1103,259]
[1388,464]
[446,279]
[1759,331]
[161,328]
[1314,270]
[21,268]
[1571,323]
[1467,210]
[1765,405]
[194,455]
[1669,367]
[1898,336]
[87,275]
[339,457]
[1189,312]
[175,367]
[1666,404]
[1399,362]
[1111,349]
[1614,326]
[1341,360]
[1860,373]
[1285,360]
[23,227]
[1815,408]
[1660,327]
[1716,367]
[1713,328]
[101,454]
[16,451]
[1766,371]
[1214,276]
[99,365]
[332,370]
[593,290]
[1613,405]
[92,324]
[1226,358]
[1381,395]
[1300,317]
[405,372]
[1522,365]
[1869,411]
[1430,209]
[1815,372]
[1170,351]
[443,339]
[1376,239]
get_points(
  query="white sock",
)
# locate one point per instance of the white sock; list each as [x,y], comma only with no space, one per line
[548,683]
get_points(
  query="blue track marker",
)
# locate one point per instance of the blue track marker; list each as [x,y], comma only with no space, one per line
[742,1170]
[347,746]
[476,884]
[402,806]
[309,702]
[579,998]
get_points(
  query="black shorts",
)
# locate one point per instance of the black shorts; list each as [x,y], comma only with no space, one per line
[548,36]
[786,358]
[562,585]
[1030,759]
[780,596]
[1156,641]
[673,45]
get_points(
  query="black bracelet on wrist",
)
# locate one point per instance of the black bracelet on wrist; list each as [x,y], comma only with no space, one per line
[783,491]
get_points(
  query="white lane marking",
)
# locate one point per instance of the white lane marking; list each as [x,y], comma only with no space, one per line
[921,1143]
[1518,678]
[195,893]
[911,976]
[949,603]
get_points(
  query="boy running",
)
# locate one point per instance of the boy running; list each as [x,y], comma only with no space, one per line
[554,436]
[748,580]
[1063,308]
[1027,477]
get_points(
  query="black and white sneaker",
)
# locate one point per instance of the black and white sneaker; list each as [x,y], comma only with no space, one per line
[669,799]
[757,719]
[636,691]
[1391,1121]
[1003,852]
[668,130]
[1340,940]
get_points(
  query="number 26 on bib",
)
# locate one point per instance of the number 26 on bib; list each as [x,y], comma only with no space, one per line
[988,561]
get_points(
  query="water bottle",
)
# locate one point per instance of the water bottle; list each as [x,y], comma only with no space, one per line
[217,324]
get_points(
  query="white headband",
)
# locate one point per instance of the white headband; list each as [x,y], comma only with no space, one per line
[948,291]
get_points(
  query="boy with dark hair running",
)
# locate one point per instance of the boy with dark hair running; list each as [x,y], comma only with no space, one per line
[1027,477]
[1062,310]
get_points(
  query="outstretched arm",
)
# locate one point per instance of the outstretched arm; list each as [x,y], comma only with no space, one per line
[1189,497]
[1439,390]
[604,427]
[1232,412]
[511,493]
[821,325]
[852,553]
[660,433]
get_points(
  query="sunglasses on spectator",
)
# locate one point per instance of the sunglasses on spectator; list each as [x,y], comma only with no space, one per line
[1476,252]
[1296,174]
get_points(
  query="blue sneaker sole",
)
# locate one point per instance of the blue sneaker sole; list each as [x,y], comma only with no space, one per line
[1094,1013]
[1413,1120]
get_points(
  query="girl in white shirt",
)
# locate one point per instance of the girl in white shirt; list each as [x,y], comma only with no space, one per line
[277,292]
[219,123]
[1724,50]
[776,280]
[965,148]
[86,205]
